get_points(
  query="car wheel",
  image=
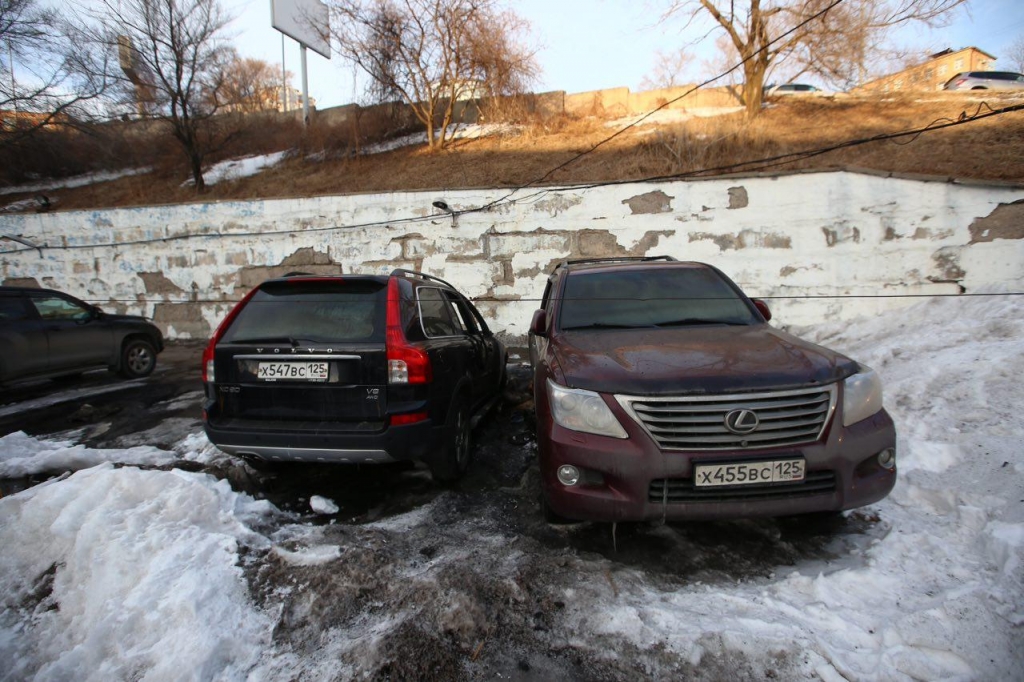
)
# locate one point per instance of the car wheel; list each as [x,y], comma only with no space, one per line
[452,463]
[138,358]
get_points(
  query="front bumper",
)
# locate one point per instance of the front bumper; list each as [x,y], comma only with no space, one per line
[628,479]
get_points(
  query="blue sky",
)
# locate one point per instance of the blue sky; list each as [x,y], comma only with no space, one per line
[594,44]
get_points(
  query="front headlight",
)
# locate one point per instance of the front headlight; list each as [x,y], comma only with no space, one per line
[584,411]
[862,396]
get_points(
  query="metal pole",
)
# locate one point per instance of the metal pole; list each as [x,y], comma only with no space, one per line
[305,87]
[14,85]
[284,78]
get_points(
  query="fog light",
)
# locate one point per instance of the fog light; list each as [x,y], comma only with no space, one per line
[887,458]
[568,475]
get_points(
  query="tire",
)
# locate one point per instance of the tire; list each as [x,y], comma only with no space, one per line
[138,359]
[452,463]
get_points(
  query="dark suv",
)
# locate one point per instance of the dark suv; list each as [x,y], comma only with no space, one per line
[662,392]
[351,369]
[46,333]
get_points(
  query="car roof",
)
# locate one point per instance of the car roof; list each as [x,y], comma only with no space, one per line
[416,278]
[621,264]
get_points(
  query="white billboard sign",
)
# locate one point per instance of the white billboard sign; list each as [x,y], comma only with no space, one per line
[305,21]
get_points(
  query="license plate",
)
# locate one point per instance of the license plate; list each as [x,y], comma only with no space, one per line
[750,473]
[293,371]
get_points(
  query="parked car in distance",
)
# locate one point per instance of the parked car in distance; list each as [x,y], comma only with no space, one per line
[793,89]
[46,333]
[662,392]
[986,80]
[352,369]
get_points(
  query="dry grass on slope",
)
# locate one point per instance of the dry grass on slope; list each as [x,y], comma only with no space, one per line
[987,149]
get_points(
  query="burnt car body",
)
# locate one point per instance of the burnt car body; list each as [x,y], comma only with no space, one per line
[351,369]
[46,333]
[662,392]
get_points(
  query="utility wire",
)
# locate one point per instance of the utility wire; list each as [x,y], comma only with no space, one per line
[650,113]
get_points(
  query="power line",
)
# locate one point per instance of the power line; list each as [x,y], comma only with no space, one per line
[657,109]
[753,165]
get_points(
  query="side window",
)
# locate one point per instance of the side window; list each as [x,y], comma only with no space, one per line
[12,308]
[56,308]
[436,313]
[463,317]
[547,295]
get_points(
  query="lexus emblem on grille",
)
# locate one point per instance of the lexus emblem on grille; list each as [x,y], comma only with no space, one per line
[741,421]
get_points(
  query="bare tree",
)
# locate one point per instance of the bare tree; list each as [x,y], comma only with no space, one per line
[669,69]
[1015,54]
[174,59]
[58,81]
[249,85]
[833,39]
[434,53]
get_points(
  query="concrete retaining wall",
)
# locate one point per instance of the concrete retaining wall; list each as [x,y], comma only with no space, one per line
[830,235]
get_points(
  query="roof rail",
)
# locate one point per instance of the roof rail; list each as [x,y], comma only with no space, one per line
[615,259]
[423,275]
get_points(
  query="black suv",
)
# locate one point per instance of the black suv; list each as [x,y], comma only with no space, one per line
[351,369]
[46,333]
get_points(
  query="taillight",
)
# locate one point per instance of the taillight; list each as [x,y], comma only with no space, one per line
[208,352]
[407,364]
[409,418]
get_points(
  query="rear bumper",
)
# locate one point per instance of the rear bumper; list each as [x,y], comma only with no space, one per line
[624,479]
[310,444]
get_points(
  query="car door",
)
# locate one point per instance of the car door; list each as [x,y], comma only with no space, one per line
[76,337]
[450,344]
[22,338]
[487,355]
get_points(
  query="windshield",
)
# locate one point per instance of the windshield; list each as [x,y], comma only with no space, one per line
[283,312]
[652,298]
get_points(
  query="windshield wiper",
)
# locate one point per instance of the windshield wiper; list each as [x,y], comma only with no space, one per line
[607,325]
[693,321]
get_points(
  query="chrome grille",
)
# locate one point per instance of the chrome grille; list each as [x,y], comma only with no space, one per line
[698,422]
[682,490]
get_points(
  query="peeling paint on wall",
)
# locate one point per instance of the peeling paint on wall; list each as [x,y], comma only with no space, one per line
[558,204]
[840,233]
[157,283]
[651,202]
[738,197]
[947,260]
[745,239]
[1005,222]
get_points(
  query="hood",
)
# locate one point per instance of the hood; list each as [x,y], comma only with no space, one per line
[697,360]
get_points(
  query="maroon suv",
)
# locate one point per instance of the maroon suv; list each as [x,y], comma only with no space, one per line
[662,393]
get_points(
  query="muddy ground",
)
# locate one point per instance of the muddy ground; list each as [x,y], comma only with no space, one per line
[465,582]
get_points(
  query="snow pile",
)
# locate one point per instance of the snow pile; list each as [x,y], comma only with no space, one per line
[116,574]
[941,594]
[455,132]
[665,117]
[75,181]
[322,505]
[22,455]
[235,169]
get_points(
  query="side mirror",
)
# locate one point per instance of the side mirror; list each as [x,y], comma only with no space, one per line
[539,324]
[762,308]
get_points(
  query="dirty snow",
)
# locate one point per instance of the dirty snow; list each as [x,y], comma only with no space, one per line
[74,181]
[664,117]
[117,573]
[460,132]
[235,169]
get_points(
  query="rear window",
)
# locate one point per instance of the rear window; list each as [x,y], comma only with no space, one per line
[655,297]
[342,311]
